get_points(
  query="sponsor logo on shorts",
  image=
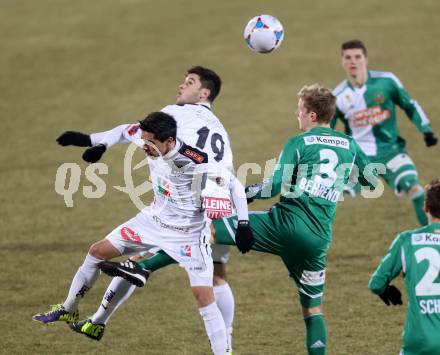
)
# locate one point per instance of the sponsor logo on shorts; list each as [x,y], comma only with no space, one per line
[169,226]
[425,239]
[399,161]
[313,278]
[185,250]
[130,235]
[327,140]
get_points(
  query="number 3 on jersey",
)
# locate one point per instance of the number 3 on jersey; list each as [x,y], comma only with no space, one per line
[327,169]
[217,143]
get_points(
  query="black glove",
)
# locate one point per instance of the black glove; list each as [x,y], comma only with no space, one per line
[93,154]
[391,294]
[251,191]
[77,139]
[244,238]
[430,139]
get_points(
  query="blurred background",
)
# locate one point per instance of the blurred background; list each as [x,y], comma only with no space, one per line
[91,65]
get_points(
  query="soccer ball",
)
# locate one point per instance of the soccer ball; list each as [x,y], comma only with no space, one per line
[263,33]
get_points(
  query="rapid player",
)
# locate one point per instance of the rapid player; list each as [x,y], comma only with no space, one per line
[199,127]
[311,173]
[366,105]
[416,253]
[173,222]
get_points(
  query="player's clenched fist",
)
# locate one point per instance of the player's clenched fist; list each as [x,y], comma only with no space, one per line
[77,139]
[244,238]
[430,139]
[93,154]
[391,295]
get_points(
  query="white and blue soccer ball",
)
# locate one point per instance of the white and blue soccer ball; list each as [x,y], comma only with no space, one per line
[263,33]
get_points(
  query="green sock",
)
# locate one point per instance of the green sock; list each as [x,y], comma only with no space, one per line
[418,203]
[316,334]
[157,261]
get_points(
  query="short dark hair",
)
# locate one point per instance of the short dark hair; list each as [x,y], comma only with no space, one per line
[320,100]
[209,79]
[354,44]
[432,198]
[160,124]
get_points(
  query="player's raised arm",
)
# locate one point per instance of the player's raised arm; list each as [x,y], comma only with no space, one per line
[101,141]
[243,237]
[414,112]
[283,171]
[389,267]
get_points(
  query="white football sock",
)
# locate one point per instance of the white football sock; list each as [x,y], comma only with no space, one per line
[226,304]
[215,328]
[83,280]
[117,292]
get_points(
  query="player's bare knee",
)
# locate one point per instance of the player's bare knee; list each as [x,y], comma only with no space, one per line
[204,296]
[103,250]
[219,274]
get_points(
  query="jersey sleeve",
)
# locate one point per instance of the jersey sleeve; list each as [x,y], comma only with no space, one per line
[239,198]
[389,267]
[411,107]
[124,133]
[272,186]
[368,175]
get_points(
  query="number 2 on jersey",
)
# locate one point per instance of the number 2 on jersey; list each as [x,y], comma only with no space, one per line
[216,138]
[426,286]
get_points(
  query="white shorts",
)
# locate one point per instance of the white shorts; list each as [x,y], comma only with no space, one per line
[190,248]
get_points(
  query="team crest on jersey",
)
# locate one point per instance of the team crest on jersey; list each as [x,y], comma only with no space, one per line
[185,250]
[163,187]
[379,99]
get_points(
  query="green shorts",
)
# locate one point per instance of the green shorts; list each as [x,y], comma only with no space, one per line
[401,173]
[284,233]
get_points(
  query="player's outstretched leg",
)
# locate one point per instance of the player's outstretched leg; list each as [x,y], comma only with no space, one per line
[83,280]
[129,270]
[316,332]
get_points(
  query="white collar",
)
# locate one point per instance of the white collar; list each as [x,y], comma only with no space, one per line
[170,155]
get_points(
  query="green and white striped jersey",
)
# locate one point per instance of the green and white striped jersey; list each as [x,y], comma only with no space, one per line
[369,113]
[417,254]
